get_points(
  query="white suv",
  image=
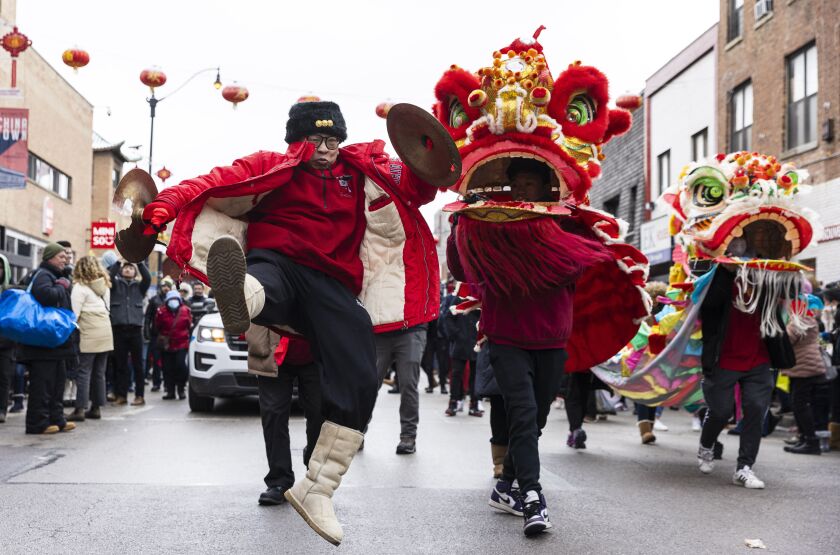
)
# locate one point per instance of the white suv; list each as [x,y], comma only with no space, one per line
[218,365]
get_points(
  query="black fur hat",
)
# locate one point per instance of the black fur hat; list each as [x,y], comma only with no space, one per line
[309,118]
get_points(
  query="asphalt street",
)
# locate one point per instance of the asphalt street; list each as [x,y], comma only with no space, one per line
[158,479]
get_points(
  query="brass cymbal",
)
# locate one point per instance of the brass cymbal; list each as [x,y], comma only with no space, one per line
[423,145]
[132,244]
[135,190]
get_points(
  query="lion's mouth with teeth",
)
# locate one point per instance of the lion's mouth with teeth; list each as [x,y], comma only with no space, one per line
[768,235]
[512,184]
[491,179]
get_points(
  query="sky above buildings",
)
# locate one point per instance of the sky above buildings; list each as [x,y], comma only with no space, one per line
[355,53]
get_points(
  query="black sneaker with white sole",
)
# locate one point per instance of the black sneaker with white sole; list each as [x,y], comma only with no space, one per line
[506,497]
[226,270]
[535,514]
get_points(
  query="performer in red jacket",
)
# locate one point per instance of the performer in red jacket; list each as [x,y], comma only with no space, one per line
[329,233]
[174,321]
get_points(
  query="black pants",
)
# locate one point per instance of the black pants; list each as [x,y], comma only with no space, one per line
[577,397]
[154,361]
[644,412]
[46,393]
[175,372]
[528,380]
[275,405]
[498,421]
[337,326]
[128,341]
[427,360]
[835,401]
[719,393]
[456,390]
[802,392]
[7,374]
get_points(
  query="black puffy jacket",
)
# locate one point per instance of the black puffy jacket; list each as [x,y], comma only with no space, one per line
[49,293]
[461,331]
[127,296]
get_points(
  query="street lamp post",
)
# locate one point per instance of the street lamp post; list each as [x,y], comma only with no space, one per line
[156,78]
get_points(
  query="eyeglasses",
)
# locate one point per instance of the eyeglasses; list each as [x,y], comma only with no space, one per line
[331,142]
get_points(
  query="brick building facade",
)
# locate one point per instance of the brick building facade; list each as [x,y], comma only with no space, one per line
[68,183]
[779,93]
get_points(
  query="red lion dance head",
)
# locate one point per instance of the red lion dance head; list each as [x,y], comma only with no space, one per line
[530,146]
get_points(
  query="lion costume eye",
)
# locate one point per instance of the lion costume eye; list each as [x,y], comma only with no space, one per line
[581,109]
[457,114]
[707,192]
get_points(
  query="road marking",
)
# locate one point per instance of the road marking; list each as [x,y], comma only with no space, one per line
[128,412]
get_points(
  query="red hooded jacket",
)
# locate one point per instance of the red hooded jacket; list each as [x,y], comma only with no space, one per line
[175,325]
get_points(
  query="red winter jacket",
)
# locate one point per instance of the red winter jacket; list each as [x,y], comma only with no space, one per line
[400,275]
[175,325]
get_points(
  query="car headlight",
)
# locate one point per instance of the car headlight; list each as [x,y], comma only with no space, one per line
[208,333]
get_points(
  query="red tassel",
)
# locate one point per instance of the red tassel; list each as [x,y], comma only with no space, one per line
[525,257]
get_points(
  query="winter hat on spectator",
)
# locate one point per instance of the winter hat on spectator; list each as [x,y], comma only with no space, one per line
[172,295]
[309,118]
[109,259]
[51,250]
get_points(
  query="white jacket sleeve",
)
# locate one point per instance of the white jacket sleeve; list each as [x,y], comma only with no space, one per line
[77,299]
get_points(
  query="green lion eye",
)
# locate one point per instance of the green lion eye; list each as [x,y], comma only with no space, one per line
[708,191]
[581,110]
[457,115]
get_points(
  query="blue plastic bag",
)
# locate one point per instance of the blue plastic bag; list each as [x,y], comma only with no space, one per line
[24,320]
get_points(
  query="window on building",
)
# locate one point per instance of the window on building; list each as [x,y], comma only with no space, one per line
[49,177]
[741,114]
[699,144]
[611,205]
[663,173]
[802,97]
[763,8]
[115,178]
[736,19]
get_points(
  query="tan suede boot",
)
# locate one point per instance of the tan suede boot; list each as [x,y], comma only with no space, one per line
[312,496]
[646,431]
[498,452]
[834,442]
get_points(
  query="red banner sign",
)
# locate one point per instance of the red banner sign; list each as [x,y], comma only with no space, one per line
[14,150]
[102,235]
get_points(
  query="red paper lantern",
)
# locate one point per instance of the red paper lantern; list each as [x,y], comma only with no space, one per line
[235,94]
[14,43]
[383,108]
[163,174]
[629,101]
[152,77]
[75,58]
